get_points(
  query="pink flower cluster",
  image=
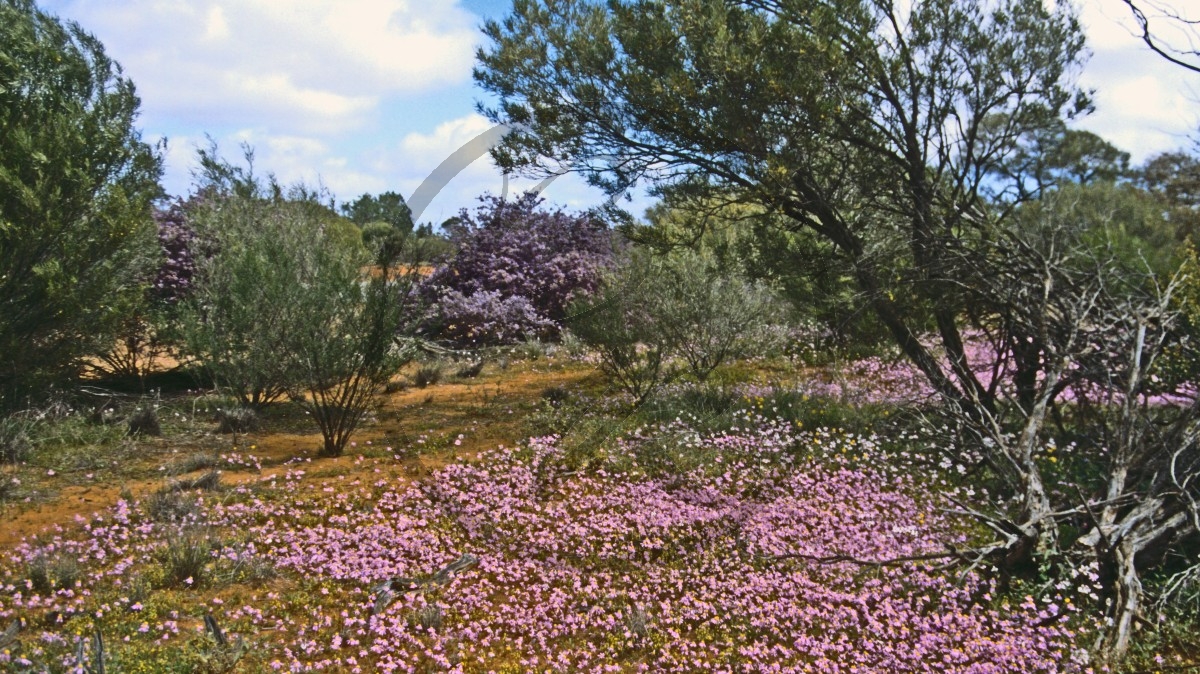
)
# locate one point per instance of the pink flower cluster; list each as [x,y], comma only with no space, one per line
[896,381]
[615,572]
[709,571]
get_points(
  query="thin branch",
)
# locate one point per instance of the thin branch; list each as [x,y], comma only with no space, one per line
[1148,38]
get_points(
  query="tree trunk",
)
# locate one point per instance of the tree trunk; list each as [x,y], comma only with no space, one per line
[1127,602]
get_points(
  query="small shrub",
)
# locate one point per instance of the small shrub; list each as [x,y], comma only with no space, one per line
[49,573]
[185,559]
[210,481]
[237,420]
[396,386]
[633,355]
[637,622]
[710,316]
[8,486]
[170,505]
[144,421]
[15,441]
[193,463]
[428,375]
[469,370]
[249,569]
[556,395]
[105,413]
[530,349]
[428,617]
[572,346]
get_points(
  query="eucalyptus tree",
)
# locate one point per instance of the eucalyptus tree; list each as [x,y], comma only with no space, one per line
[897,133]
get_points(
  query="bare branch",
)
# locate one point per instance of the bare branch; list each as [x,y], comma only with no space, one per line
[1173,55]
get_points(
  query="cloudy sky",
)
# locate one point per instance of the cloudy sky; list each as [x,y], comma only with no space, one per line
[371,95]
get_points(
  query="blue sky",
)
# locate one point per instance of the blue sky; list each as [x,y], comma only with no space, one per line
[371,95]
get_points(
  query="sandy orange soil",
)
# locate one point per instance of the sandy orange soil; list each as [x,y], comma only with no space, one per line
[483,410]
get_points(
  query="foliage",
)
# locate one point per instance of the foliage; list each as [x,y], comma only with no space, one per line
[1059,156]
[656,309]
[175,275]
[343,347]
[282,302]
[884,130]
[237,320]
[516,268]
[1174,177]
[619,323]
[149,331]
[1179,366]
[487,317]
[15,438]
[747,241]
[76,182]
[711,317]
[388,208]
[830,113]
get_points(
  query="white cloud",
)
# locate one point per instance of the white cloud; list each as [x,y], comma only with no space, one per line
[294,66]
[418,155]
[1144,105]
[216,28]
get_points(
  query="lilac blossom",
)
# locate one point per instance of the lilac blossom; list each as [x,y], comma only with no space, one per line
[515,253]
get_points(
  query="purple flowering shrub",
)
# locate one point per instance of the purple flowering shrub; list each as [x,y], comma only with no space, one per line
[174,277]
[608,570]
[488,317]
[516,268]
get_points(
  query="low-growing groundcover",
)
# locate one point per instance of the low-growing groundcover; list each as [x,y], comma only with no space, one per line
[598,570]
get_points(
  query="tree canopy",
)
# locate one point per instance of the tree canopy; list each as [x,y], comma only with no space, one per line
[880,129]
[76,183]
[388,207]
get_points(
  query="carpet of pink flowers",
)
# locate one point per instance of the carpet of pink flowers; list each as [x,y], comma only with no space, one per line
[589,570]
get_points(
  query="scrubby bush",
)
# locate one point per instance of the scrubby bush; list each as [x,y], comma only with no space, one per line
[516,268]
[15,442]
[428,375]
[144,421]
[148,332]
[662,314]
[711,316]
[236,322]
[343,349]
[619,323]
[283,302]
[237,420]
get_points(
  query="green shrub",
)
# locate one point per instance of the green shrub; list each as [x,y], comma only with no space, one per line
[170,505]
[49,573]
[237,420]
[710,316]
[185,559]
[283,303]
[427,375]
[15,440]
[76,183]
[619,324]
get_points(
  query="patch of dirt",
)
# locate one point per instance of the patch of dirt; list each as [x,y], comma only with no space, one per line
[421,426]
